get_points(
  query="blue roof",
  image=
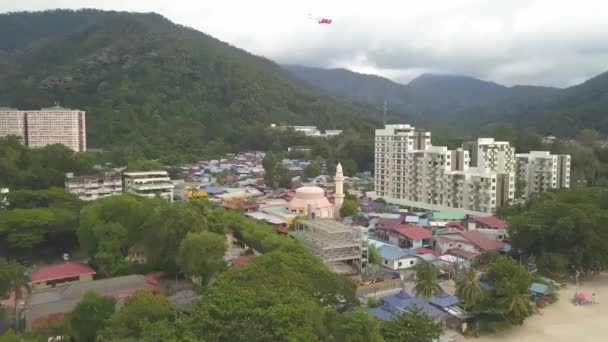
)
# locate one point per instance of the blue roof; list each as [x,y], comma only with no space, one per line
[444,300]
[392,253]
[539,288]
[380,313]
[213,190]
[404,301]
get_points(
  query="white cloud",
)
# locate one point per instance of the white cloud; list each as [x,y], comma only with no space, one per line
[544,42]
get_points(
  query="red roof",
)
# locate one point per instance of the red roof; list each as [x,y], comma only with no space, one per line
[424,250]
[281,229]
[455,224]
[386,223]
[411,232]
[242,260]
[491,221]
[61,271]
[239,204]
[480,240]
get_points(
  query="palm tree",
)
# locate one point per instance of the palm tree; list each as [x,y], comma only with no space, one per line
[517,306]
[467,288]
[426,285]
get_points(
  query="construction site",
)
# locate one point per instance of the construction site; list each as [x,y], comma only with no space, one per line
[340,246]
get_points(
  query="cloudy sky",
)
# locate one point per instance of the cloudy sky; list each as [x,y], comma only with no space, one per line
[542,42]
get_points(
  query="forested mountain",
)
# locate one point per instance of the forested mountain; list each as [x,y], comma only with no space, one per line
[152,87]
[471,105]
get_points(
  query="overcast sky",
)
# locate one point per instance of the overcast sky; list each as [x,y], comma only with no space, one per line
[542,42]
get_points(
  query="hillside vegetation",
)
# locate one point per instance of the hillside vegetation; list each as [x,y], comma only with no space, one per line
[154,88]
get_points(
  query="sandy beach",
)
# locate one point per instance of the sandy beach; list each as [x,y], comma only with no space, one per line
[563,321]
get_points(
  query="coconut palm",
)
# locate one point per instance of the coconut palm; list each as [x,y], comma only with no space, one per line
[426,284]
[467,288]
[517,306]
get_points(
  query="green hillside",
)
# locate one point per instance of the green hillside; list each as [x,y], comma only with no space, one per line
[155,88]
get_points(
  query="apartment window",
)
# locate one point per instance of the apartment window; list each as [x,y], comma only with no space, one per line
[400,264]
[386,262]
[411,262]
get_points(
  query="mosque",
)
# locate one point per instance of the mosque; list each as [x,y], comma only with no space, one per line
[310,201]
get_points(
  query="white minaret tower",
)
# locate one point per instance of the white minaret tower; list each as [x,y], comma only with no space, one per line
[339,194]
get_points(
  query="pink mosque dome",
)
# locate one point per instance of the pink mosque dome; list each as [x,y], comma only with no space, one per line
[315,198]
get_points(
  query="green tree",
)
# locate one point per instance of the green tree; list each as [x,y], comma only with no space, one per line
[90,316]
[13,278]
[350,167]
[144,165]
[312,170]
[411,326]
[142,306]
[349,208]
[373,255]
[201,255]
[510,288]
[505,132]
[372,272]
[553,263]
[354,326]
[467,288]
[426,284]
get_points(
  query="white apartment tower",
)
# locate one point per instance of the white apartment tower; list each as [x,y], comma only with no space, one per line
[149,184]
[540,171]
[39,128]
[477,178]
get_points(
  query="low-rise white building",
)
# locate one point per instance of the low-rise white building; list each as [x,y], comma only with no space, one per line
[395,258]
[149,184]
[89,188]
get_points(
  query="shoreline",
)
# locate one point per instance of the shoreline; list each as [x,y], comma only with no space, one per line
[562,321]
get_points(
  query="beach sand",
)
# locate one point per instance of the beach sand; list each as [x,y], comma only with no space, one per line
[564,321]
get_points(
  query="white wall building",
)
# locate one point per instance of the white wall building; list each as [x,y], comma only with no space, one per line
[541,171]
[39,128]
[89,188]
[409,171]
[149,184]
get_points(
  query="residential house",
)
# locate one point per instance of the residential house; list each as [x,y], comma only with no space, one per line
[404,302]
[54,304]
[395,258]
[467,244]
[405,236]
[492,226]
[61,274]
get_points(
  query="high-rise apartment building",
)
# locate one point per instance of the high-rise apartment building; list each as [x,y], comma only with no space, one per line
[39,128]
[149,184]
[540,171]
[477,178]
[12,122]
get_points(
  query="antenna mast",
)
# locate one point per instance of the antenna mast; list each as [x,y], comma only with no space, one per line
[384,113]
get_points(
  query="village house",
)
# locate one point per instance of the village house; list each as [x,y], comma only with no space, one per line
[491,226]
[61,274]
[53,304]
[404,236]
[395,258]
[467,244]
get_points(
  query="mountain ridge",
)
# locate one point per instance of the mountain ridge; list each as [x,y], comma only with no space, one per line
[468,105]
